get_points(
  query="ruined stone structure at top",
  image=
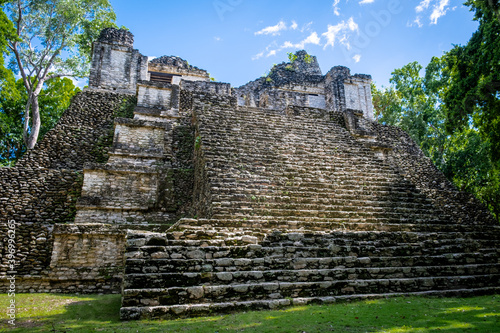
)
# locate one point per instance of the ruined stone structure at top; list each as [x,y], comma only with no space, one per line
[117,66]
[301,83]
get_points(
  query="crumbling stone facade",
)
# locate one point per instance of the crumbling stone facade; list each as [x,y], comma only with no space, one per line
[207,198]
[41,191]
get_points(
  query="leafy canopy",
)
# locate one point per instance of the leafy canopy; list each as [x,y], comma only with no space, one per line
[55,97]
[414,102]
[57,35]
[53,39]
[473,97]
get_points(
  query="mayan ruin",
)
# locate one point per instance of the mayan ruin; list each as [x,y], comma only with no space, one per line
[192,197]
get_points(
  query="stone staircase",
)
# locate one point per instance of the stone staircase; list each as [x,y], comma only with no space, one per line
[298,211]
[127,190]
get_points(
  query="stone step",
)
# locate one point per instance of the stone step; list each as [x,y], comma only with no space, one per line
[279,290]
[139,134]
[392,217]
[137,218]
[299,173]
[366,207]
[282,228]
[103,184]
[205,309]
[384,248]
[270,225]
[350,162]
[286,262]
[317,201]
[263,189]
[250,189]
[364,183]
[214,278]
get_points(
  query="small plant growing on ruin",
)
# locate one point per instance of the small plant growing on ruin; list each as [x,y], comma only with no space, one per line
[292,57]
[197,142]
[308,59]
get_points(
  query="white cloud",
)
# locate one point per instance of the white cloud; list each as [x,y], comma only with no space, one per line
[261,54]
[258,55]
[332,33]
[217,39]
[424,4]
[311,39]
[362,2]
[439,10]
[272,30]
[357,57]
[340,32]
[353,26]
[306,27]
[271,53]
[335,6]
[418,22]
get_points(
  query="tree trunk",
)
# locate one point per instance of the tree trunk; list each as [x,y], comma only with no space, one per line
[36,122]
[27,117]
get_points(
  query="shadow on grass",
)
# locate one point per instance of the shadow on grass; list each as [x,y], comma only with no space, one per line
[94,313]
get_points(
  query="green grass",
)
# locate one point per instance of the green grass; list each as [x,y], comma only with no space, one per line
[99,313]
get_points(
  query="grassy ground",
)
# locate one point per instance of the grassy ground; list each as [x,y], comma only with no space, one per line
[99,313]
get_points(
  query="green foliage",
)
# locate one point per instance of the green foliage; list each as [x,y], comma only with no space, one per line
[197,142]
[54,99]
[6,32]
[63,32]
[473,97]
[293,57]
[53,39]
[126,108]
[471,169]
[411,104]
[415,103]
[77,313]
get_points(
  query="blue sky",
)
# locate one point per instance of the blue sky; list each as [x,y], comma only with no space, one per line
[239,40]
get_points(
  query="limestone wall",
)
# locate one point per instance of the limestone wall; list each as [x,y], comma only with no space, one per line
[218,88]
[43,187]
[178,66]
[116,66]
[156,95]
[358,95]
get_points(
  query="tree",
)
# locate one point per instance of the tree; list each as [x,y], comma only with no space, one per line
[53,40]
[54,98]
[415,104]
[6,32]
[473,97]
[411,104]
